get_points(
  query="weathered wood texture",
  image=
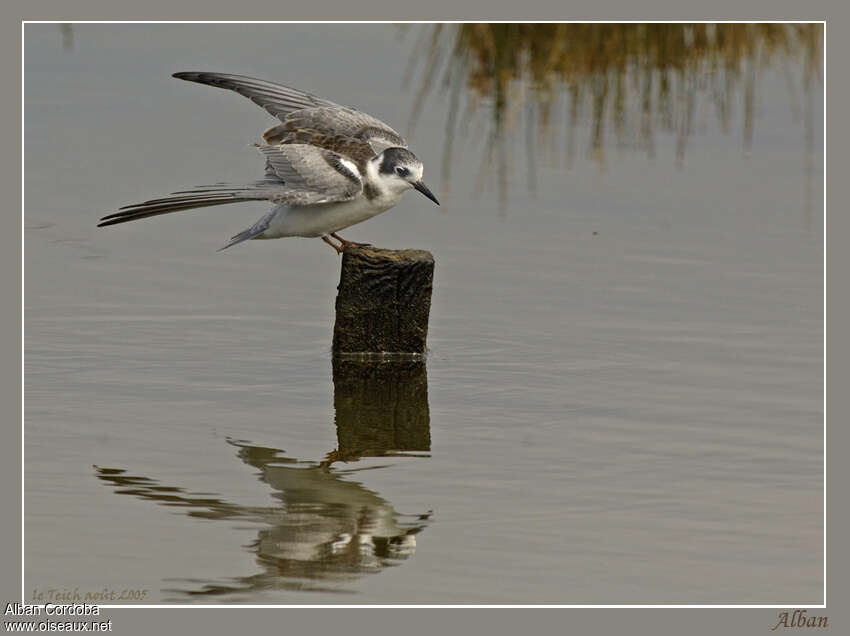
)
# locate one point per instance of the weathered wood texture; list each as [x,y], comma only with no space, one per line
[383,301]
[381,406]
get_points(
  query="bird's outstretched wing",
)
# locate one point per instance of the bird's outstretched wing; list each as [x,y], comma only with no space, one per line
[277,100]
[296,175]
[307,119]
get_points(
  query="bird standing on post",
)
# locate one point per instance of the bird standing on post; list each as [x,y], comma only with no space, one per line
[327,168]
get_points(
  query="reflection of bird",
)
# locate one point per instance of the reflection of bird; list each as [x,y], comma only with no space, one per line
[327,167]
[326,529]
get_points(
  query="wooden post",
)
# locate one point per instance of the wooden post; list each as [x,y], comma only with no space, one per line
[383,301]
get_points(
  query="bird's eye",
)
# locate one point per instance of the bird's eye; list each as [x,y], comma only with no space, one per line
[402,172]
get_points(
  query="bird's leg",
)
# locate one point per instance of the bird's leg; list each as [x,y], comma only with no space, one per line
[339,250]
[346,244]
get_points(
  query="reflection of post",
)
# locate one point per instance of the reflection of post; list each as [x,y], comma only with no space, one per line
[381,406]
[384,300]
[67,32]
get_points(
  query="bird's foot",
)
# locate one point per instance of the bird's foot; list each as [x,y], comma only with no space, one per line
[347,244]
[339,249]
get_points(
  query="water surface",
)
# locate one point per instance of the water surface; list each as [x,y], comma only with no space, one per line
[623,397]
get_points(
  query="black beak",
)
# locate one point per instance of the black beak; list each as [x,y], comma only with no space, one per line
[424,190]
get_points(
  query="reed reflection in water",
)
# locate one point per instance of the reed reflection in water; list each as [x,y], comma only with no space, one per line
[637,79]
[327,529]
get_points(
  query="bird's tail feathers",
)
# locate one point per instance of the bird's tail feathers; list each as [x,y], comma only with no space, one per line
[252,232]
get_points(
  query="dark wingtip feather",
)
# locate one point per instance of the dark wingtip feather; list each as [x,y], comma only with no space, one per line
[200,198]
[211,79]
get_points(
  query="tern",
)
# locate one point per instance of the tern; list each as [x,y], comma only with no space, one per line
[327,168]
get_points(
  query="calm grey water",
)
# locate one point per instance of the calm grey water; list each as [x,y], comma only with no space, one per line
[622,402]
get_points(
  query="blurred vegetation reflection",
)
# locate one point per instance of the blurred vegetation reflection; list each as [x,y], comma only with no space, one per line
[326,528]
[630,79]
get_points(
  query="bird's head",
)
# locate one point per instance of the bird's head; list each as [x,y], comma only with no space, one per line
[399,169]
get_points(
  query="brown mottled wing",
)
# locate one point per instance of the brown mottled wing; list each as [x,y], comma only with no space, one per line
[346,131]
[307,119]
